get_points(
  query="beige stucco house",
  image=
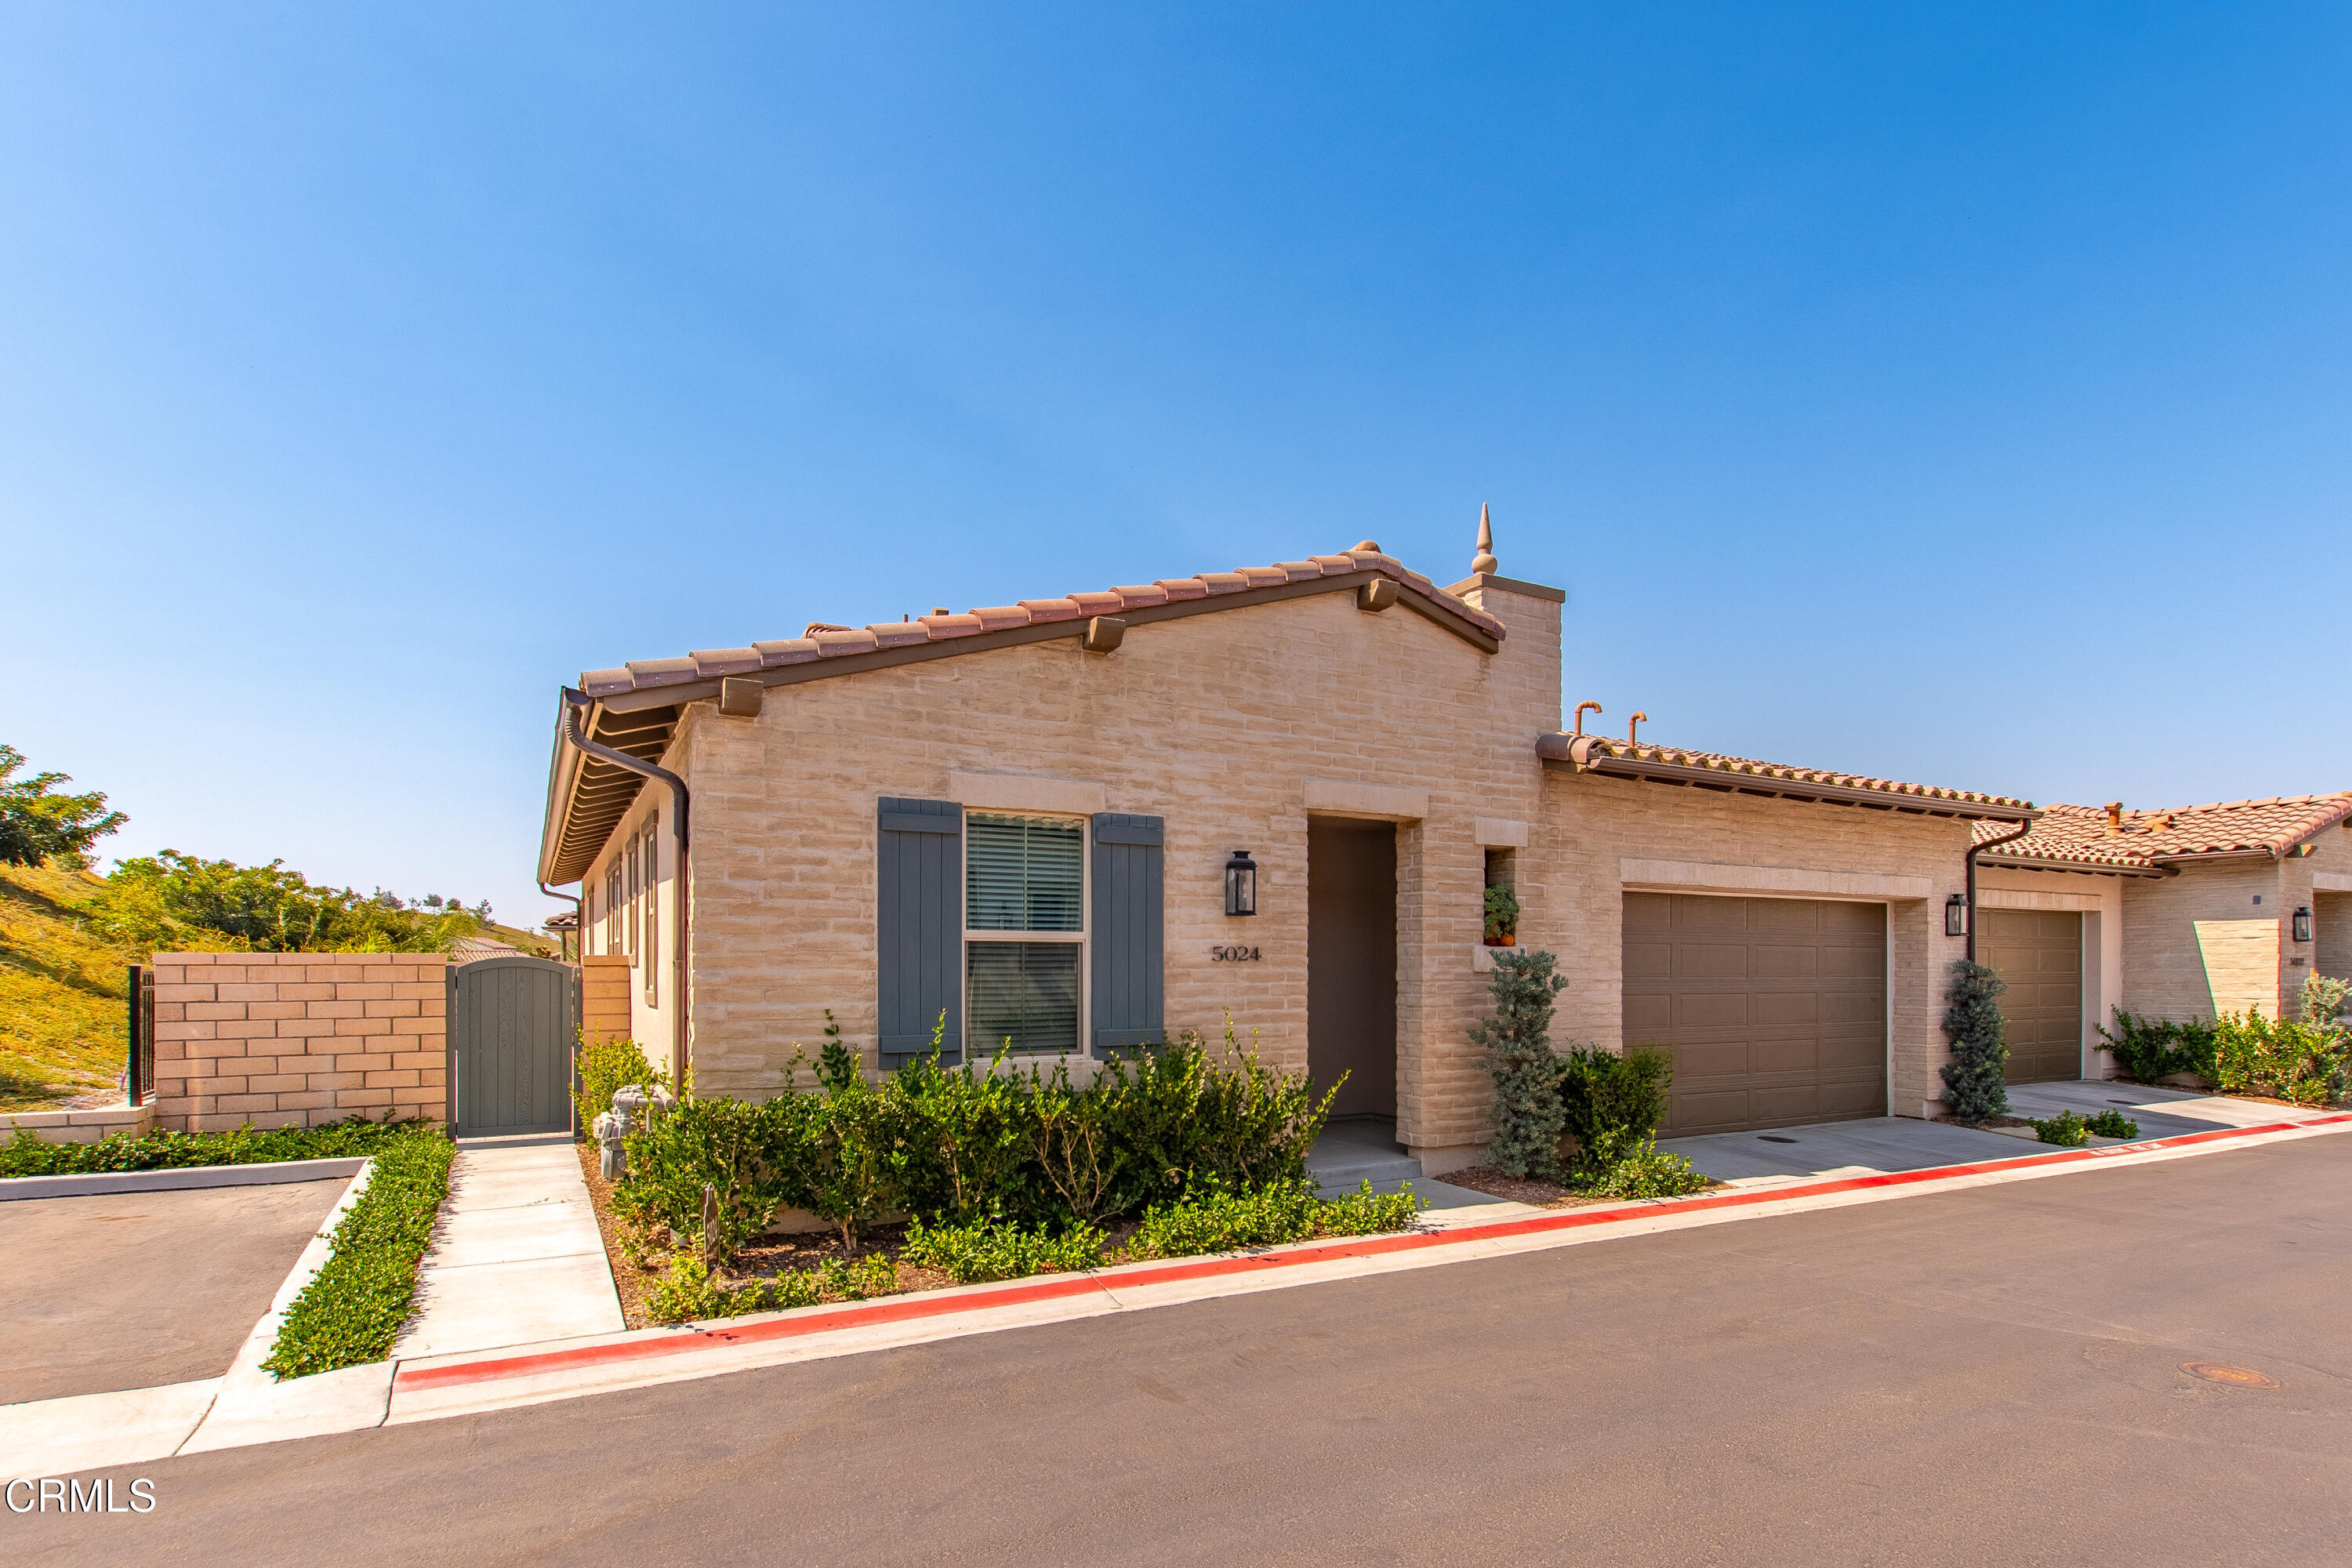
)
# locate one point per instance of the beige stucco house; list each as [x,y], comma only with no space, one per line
[2180,913]
[1023,822]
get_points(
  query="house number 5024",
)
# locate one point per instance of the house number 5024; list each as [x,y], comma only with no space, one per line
[1232,955]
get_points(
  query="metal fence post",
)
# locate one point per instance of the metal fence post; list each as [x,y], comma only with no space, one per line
[130,1060]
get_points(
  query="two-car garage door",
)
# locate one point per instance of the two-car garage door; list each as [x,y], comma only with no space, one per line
[1775,1009]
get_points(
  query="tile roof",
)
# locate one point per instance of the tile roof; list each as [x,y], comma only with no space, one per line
[1641,759]
[823,640]
[2081,834]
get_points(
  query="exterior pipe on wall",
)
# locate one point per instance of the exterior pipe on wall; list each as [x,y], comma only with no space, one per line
[574,703]
[579,915]
[1974,851]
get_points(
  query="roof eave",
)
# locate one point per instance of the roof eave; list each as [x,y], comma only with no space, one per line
[1561,752]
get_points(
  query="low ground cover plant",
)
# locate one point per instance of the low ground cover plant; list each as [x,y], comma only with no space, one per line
[980,1251]
[2065,1129]
[356,1305]
[1641,1170]
[27,1155]
[2113,1124]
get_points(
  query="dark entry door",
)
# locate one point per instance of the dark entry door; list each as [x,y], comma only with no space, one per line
[512,1022]
[1351,961]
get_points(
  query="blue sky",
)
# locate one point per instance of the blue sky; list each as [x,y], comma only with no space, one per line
[1959,396]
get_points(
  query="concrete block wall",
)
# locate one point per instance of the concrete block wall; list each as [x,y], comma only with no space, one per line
[80,1126]
[296,1039]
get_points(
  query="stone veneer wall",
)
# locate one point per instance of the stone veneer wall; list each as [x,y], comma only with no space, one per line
[294,1039]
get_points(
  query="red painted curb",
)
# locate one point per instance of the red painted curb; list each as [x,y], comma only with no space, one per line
[1014,1294]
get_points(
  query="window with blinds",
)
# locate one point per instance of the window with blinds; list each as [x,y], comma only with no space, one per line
[1025,878]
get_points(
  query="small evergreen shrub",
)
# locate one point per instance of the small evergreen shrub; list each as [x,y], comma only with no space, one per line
[754,1156]
[354,1307]
[1611,1104]
[2152,1049]
[1976,1080]
[2066,1130]
[2321,1000]
[1517,1043]
[2113,1124]
[1643,1171]
[976,1253]
[1502,913]
[1218,1218]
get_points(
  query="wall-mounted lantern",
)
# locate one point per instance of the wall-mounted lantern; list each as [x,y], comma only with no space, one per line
[2303,924]
[1956,915]
[1240,884]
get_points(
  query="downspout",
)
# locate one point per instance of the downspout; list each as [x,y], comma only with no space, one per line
[574,703]
[579,911]
[1975,850]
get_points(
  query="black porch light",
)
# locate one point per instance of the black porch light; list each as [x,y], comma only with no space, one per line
[1956,915]
[1240,884]
[2303,923]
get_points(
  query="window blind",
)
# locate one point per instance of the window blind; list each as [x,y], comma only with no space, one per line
[1024,997]
[1023,873]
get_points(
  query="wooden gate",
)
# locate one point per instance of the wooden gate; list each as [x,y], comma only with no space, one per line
[512,1022]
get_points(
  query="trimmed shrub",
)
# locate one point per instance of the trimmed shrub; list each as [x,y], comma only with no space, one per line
[2066,1129]
[2297,1061]
[1517,1043]
[354,1307]
[2150,1050]
[1218,1218]
[27,1155]
[1611,1104]
[2113,1124]
[1976,1080]
[1643,1171]
[1367,1213]
[755,1157]
[603,1069]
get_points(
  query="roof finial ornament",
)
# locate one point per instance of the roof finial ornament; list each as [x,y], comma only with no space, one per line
[1484,563]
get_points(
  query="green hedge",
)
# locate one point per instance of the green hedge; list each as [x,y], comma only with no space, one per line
[356,1307]
[2150,1050]
[27,1155]
[1001,1144]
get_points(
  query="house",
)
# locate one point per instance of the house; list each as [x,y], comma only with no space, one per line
[2183,912]
[1274,796]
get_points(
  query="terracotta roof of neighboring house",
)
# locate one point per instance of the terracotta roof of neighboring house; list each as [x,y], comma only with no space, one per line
[468,949]
[822,640]
[2082,835]
[1745,775]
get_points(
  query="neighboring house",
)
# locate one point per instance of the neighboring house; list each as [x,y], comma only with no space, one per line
[473,949]
[1029,822]
[2180,913]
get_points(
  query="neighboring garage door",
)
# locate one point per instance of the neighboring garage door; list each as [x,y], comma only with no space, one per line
[2038,953]
[1775,1009]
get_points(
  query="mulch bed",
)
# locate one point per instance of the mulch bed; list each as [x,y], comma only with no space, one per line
[1517,1189]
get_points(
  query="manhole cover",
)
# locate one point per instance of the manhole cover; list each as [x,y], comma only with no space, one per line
[1768,1138]
[2236,1376]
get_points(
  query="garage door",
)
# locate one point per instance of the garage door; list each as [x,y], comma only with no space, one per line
[1775,1009]
[2040,953]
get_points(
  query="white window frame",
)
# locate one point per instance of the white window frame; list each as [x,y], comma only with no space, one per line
[1081,938]
[649,939]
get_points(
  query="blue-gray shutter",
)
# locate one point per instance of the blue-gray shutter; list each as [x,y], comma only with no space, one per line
[1130,931]
[919,920]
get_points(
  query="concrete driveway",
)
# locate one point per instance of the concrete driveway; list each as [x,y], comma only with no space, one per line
[1885,1143]
[138,1289]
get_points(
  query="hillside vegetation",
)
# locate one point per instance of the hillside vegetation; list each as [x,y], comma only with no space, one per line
[62,1005]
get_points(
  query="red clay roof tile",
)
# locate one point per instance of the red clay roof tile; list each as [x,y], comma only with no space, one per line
[2082,833]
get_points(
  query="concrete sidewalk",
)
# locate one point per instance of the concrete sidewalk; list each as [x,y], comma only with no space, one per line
[517,1257]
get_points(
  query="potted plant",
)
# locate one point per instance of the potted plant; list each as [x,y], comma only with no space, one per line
[1502,917]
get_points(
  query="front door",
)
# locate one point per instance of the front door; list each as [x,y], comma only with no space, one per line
[1351,961]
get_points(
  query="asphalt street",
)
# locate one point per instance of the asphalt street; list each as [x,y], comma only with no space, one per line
[1991,1376]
